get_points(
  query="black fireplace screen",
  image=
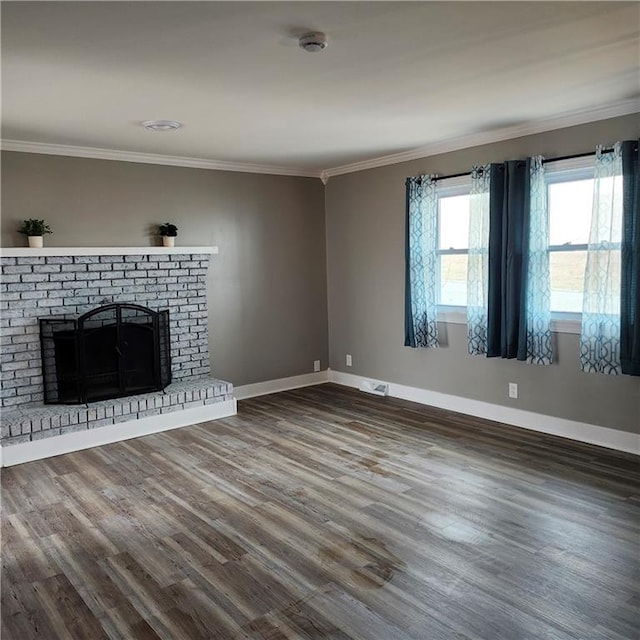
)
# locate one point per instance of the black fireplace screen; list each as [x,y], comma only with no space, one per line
[113,351]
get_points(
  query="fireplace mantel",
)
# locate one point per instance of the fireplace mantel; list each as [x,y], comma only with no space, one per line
[25,252]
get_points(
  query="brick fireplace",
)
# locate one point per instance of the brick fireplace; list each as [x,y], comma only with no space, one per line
[37,284]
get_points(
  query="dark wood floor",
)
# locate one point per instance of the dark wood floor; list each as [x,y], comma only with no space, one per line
[325,513]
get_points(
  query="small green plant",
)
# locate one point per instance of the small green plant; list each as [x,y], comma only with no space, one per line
[168,229]
[33,227]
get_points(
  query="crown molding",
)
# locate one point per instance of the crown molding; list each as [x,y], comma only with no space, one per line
[152,158]
[614,110]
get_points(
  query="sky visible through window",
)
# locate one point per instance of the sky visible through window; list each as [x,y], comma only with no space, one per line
[454,234]
[569,221]
[454,222]
[570,211]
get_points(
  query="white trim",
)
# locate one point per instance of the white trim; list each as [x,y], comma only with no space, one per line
[24,252]
[560,322]
[280,384]
[458,186]
[68,442]
[614,110]
[452,315]
[566,322]
[24,146]
[583,166]
[581,431]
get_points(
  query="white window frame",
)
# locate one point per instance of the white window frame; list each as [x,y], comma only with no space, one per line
[448,188]
[569,170]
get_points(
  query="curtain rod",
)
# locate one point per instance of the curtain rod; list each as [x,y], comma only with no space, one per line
[575,155]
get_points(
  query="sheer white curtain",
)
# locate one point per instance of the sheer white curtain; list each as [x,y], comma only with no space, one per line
[478,264]
[600,335]
[538,289]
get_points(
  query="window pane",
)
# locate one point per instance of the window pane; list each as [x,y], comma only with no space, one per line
[453,280]
[567,280]
[454,222]
[570,206]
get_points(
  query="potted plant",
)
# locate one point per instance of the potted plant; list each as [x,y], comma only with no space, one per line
[34,230]
[168,231]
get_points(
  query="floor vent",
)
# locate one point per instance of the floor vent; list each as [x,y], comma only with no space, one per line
[375,387]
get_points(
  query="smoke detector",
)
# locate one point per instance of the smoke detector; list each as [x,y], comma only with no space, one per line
[161,125]
[313,42]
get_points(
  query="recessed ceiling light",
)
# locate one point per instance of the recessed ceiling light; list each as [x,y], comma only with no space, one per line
[161,125]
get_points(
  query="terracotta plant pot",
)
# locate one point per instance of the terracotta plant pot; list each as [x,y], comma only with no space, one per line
[35,242]
[168,241]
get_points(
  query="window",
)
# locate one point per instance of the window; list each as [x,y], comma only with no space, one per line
[569,220]
[570,206]
[570,189]
[453,243]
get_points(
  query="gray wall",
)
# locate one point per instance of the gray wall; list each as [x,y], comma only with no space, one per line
[365,257]
[267,287]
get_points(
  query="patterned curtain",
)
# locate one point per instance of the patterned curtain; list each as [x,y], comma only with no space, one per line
[538,283]
[600,336]
[421,328]
[478,264]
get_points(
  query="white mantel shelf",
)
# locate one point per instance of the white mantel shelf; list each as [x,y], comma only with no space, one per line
[23,252]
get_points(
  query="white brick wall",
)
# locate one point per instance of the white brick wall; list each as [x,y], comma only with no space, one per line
[36,287]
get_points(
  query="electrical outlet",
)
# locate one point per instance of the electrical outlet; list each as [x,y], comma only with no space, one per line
[316,365]
[513,390]
[349,360]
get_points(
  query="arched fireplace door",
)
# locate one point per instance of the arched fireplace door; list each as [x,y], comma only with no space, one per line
[113,351]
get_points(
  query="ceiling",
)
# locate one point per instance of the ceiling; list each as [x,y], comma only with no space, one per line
[396,77]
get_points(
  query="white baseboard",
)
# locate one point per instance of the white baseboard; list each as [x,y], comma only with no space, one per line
[280,384]
[68,442]
[57,445]
[581,431]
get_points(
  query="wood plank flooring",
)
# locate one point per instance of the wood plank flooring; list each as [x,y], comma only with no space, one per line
[325,513]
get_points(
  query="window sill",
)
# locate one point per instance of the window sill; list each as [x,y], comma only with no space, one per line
[566,322]
[560,322]
[452,315]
